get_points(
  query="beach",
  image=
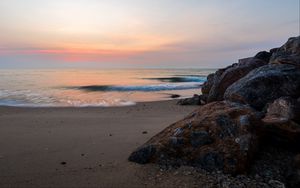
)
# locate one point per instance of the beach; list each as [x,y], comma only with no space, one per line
[83,147]
[149,94]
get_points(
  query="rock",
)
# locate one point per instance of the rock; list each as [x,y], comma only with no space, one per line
[274,50]
[195,100]
[63,163]
[217,136]
[143,154]
[265,84]
[219,81]
[144,132]
[212,79]
[297,161]
[178,132]
[276,184]
[285,59]
[231,75]
[244,60]
[282,109]
[264,56]
[289,53]
[174,96]
[279,123]
[272,162]
[208,84]
[176,141]
[200,138]
[293,178]
[248,104]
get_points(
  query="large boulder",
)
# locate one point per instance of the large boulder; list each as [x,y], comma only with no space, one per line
[217,136]
[265,84]
[281,122]
[231,75]
[289,53]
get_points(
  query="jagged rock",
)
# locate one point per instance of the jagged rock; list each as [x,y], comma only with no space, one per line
[265,84]
[289,53]
[195,100]
[244,60]
[231,75]
[265,56]
[217,136]
[274,50]
[212,79]
[294,60]
[279,122]
[283,109]
[208,84]
[219,81]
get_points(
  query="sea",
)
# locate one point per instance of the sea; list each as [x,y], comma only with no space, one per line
[96,87]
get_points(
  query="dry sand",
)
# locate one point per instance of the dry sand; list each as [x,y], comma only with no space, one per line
[93,142]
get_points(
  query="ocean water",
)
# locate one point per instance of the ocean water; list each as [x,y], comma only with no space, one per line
[65,87]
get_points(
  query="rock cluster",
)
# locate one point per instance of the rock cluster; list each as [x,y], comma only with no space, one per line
[243,104]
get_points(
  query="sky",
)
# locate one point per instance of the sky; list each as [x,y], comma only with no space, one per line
[141,33]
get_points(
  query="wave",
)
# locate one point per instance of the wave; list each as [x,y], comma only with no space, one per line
[27,98]
[143,88]
[178,79]
[70,103]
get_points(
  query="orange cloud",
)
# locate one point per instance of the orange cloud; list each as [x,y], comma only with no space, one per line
[116,47]
[73,55]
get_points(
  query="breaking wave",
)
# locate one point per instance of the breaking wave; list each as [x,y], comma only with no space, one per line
[143,88]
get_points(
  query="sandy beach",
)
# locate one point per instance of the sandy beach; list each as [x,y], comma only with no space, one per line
[82,147]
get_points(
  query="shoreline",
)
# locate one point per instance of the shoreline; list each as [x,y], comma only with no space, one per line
[94,106]
[81,147]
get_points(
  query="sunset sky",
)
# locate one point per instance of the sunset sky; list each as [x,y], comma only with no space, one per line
[141,33]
